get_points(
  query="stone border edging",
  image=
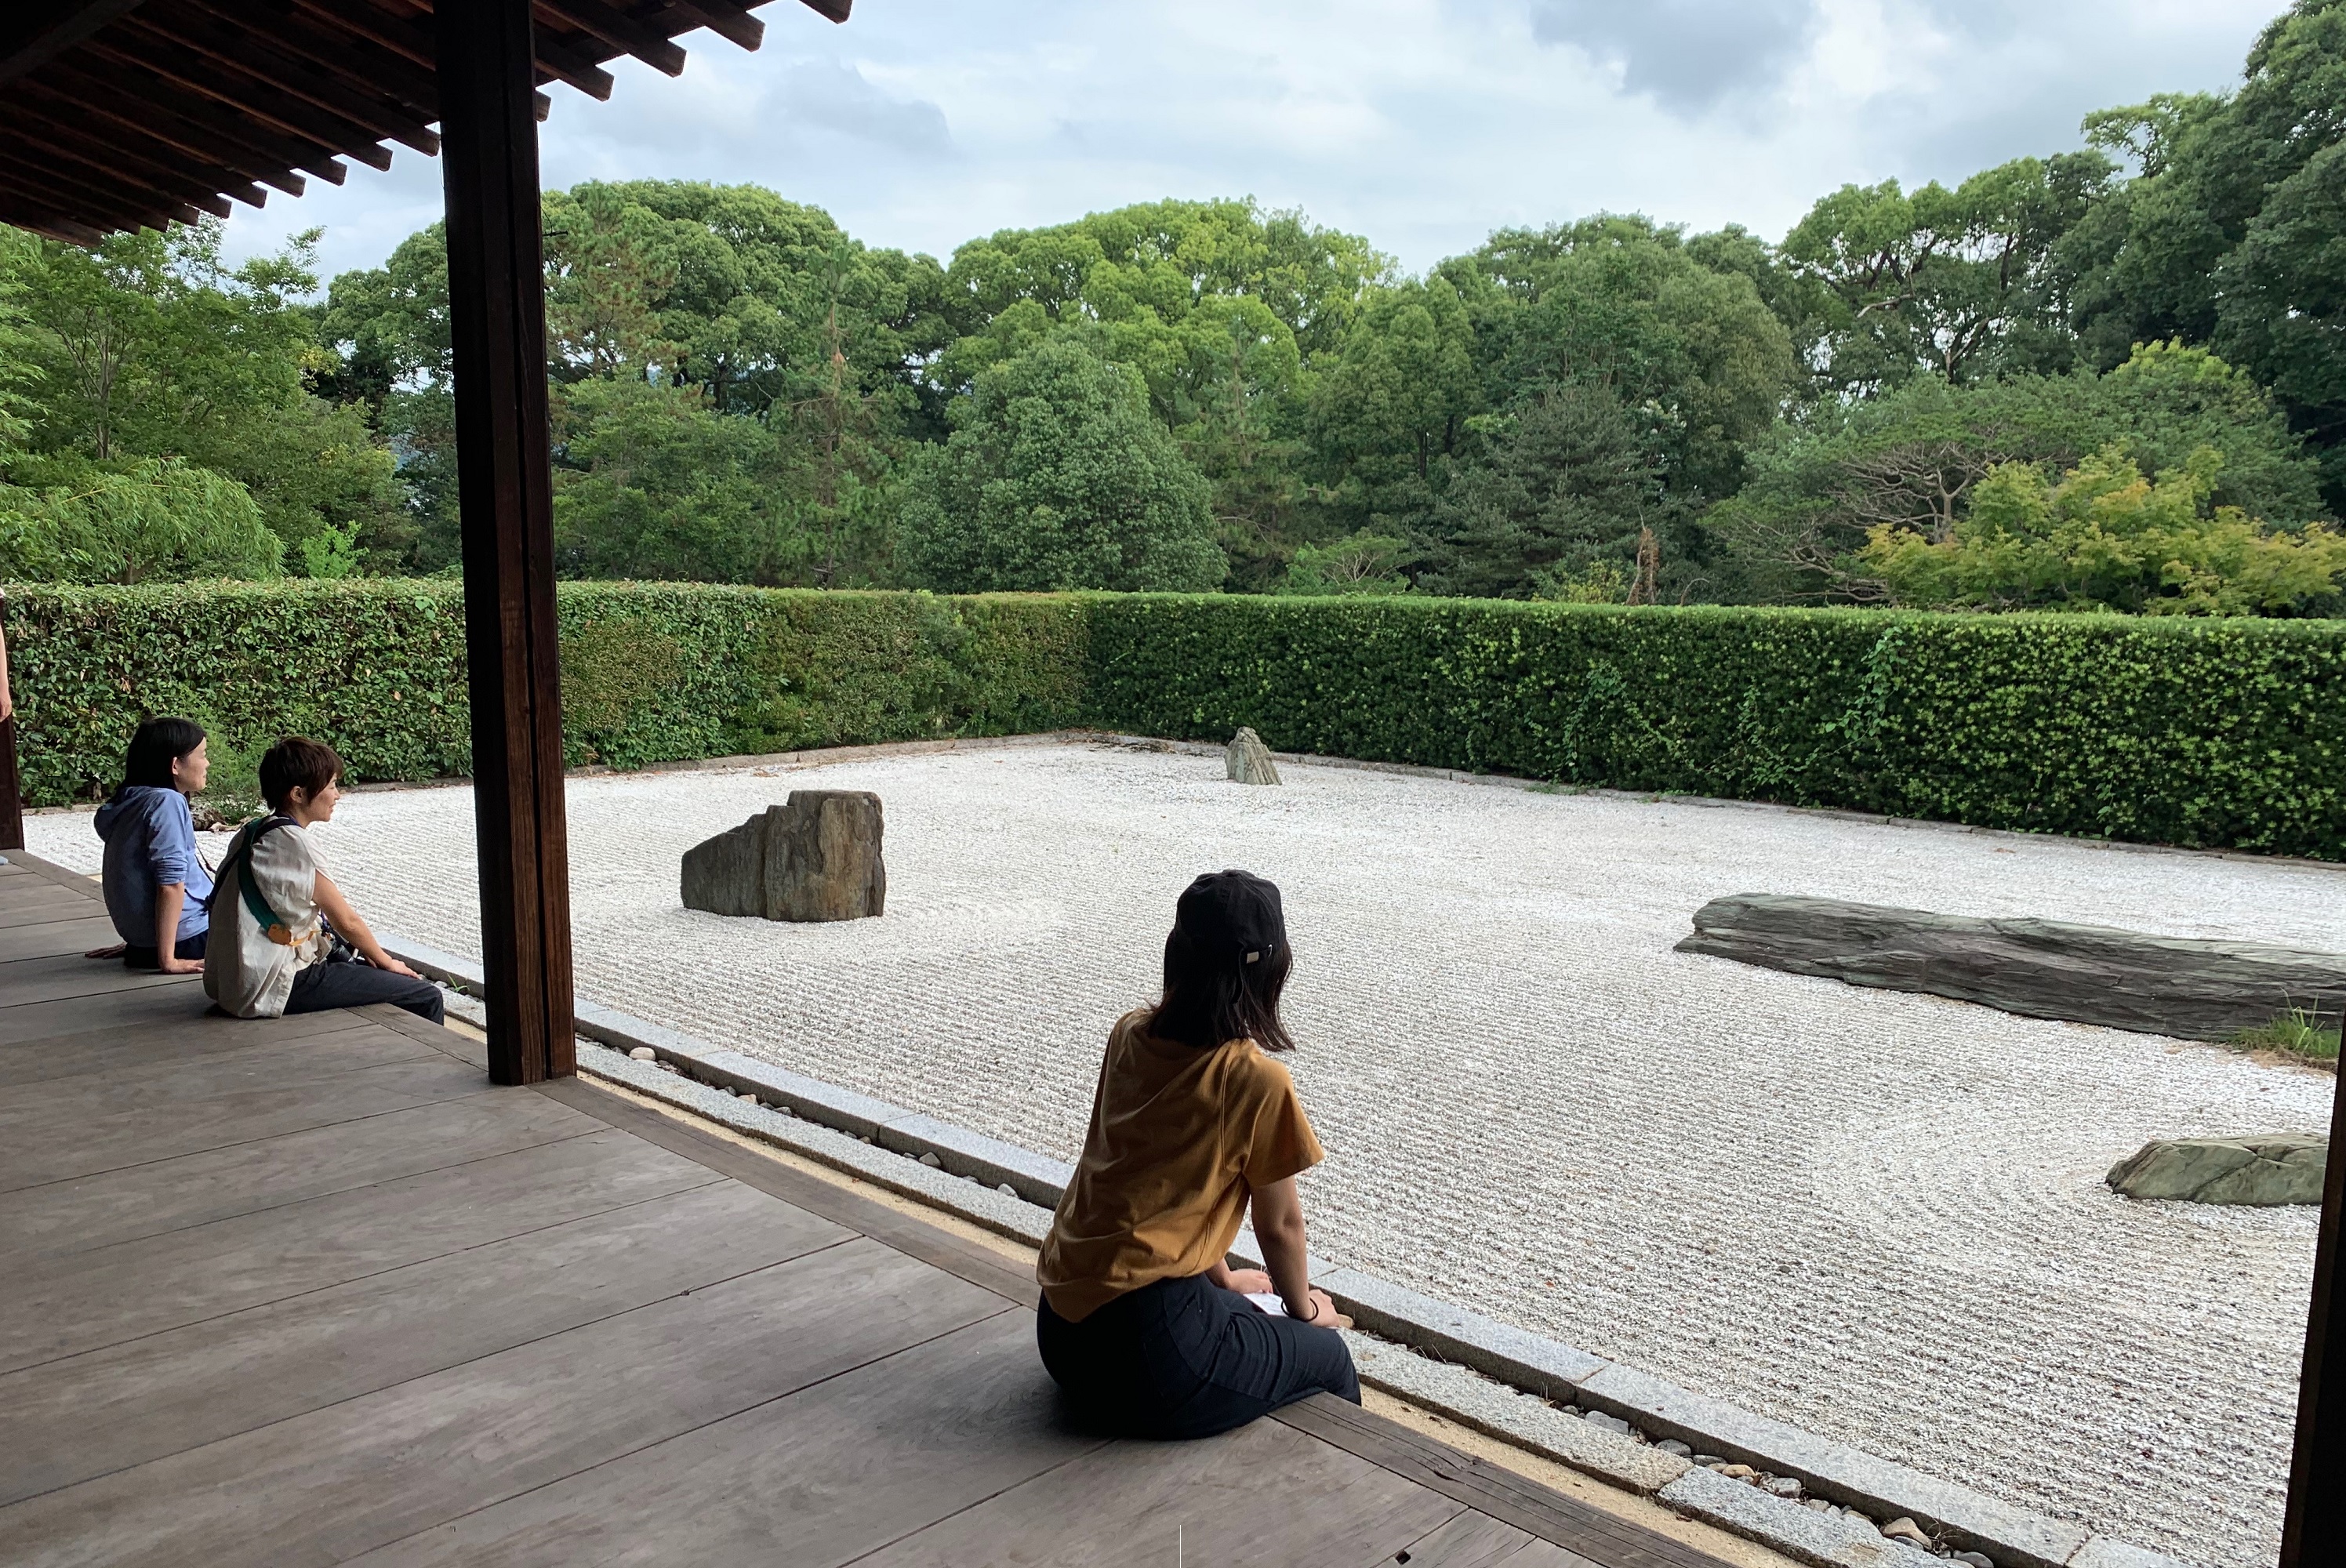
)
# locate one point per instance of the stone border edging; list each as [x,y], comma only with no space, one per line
[1487,1375]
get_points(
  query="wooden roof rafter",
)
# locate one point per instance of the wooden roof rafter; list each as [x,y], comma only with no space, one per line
[122,113]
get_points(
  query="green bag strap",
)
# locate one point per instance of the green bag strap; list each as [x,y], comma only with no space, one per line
[247,885]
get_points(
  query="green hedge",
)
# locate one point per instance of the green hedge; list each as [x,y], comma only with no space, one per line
[2199,732]
[2228,732]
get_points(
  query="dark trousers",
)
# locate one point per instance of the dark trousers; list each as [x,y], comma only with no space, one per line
[345,982]
[191,947]
[1185,1358]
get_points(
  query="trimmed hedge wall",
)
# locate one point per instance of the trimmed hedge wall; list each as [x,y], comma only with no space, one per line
[2200,732]
[2166,731]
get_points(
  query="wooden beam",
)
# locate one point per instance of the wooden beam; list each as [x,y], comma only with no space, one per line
[153,124]
[242,55]
[12,794]
[506,490]
[621,31]
[191,115]
[101,201]
[834,9]
[2313,1527]
[69,138]
[274,111]
[727,22]
[562,62]
[32,36]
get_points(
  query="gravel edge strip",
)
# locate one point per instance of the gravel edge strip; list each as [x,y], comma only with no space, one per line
[1815,1501]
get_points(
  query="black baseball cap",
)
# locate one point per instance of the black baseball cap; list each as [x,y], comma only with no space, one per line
[1233,915]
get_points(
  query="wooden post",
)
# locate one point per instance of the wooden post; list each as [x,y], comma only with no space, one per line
[496,294]
[2313,1530]
[12,799]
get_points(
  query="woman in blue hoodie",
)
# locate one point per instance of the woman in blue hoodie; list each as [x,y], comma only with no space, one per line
[156,887]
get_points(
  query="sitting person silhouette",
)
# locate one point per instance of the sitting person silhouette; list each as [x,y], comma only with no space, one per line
[156,888]
[284,938]
[1143,1323]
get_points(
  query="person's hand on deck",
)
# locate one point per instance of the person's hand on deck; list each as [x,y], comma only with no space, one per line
[1245,1281]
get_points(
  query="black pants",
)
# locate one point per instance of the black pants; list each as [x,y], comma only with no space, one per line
[1185,1358]
[134,957]
[343,981]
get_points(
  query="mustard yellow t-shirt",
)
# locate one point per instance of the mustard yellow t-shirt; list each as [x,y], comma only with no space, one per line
[1179,1138]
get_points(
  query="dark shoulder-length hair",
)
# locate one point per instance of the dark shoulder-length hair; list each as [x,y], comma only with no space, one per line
[158,743]
[1211,1000]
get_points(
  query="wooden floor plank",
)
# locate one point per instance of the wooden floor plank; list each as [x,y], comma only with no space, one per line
[1263,1493]
[164,1196]
[940,1249]
[58,975]
[48,1152]
[50,872]
[1476,1539]
[155,1007]
[130,1051]
[55,1307]
[73,1419]
[184,1079]
[817,1479]
[42,904]
[36,893]
[76,934]
[324,1487]
[1603,1538]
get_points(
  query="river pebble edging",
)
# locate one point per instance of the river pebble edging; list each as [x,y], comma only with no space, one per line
[1818,1502]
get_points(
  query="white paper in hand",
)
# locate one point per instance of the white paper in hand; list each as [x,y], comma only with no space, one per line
[1270,1302]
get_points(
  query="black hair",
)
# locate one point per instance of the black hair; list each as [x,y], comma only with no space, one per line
[1225,967]
[158,743]
[295,763]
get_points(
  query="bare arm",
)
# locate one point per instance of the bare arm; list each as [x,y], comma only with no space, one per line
[170,899]
[354,930]
[1279,1227]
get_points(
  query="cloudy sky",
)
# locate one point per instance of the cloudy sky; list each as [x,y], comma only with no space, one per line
[1423,124]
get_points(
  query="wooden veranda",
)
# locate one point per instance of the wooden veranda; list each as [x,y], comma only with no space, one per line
[121,113]
[310,1290]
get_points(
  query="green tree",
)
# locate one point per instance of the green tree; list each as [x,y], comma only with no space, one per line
[1058,476]
[1964,284]
[2105,537]
[1910,458]
[1570,483]
[68,519]
[1356,563]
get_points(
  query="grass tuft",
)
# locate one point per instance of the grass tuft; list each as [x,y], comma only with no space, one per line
[2295,1032]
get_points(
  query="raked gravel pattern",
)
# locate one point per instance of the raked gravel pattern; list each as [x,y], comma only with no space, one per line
[1876,1216]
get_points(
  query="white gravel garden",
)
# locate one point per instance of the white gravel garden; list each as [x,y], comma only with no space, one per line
[1873,1215]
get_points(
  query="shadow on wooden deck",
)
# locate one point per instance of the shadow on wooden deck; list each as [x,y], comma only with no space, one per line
[311,1290]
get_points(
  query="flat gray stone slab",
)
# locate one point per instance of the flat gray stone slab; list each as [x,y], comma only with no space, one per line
[1798,1532]
[2183,986]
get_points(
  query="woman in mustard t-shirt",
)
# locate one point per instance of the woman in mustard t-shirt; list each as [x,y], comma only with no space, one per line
[1143,1322]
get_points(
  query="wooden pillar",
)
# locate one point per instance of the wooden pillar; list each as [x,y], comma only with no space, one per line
[2313,1533]
[11,796]
[496,299]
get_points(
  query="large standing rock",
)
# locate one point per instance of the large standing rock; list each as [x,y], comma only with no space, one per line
[2281,1167]
[816,856]
[1249,760]
[2038,968]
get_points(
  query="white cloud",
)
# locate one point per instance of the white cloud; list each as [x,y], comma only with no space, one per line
[1423,124]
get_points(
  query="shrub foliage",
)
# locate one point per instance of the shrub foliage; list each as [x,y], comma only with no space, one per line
[2170,730]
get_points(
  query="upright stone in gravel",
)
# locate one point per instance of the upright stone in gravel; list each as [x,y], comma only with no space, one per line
[816,856]
[1249,760]
[822,857]
[2257,1172]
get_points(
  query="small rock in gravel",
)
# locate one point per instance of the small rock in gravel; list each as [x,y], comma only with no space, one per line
[1610,1424]
[931,1161]
[1975,1559]
[1672,1446]
[1904,1529]
[1006,1190]
[1781,1485]
[1709,1461]
[1819,1503]
[1854,1517]
[1738,1472]
[643,1053]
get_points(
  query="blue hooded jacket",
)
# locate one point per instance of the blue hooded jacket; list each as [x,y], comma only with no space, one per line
[150,842]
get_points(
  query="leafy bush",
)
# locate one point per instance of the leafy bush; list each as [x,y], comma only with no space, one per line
[2167,729]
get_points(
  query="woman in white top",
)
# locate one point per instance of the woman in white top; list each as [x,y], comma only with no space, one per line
[284,938]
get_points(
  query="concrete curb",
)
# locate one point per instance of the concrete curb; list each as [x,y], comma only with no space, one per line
[1489,1376]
